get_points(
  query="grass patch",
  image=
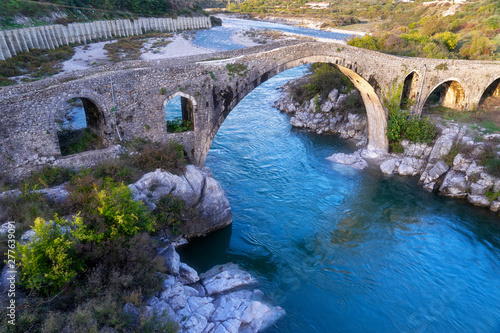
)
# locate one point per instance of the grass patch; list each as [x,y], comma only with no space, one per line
[129,48]
[77,141]
[35,64]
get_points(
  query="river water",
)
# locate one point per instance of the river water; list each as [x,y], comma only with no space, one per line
[345,250]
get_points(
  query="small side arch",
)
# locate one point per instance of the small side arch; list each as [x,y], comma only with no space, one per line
[93,120]
[448,93]
[409,96]
[491,94]
[179,107]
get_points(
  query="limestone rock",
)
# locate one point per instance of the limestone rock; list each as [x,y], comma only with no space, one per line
[443,145]
[389,166]
[187,275]
[454,184]
[353,160]
[495,206]
[204,197]
[222,278]
[479,200]
[172,260]
[333,95]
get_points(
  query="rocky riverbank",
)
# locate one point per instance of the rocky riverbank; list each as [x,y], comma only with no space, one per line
[453,165]
[220,300]
[332,115]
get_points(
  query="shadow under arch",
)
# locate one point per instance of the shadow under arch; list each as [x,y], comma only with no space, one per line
[188,106]
[95,120]
[410,93]
[491,92]
[376,115]
[448,93]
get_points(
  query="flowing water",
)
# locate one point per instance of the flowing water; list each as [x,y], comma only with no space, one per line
[345,250]
[219,38]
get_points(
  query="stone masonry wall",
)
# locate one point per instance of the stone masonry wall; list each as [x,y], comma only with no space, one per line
[141,87]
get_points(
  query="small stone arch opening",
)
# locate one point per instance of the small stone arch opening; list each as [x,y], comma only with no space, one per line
[179,113]
[490,100]
[80,126]
[410,93]
[449,94]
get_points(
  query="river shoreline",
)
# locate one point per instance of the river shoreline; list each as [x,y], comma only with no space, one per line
[450,165]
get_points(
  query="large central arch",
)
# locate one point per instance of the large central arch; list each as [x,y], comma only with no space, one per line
[376,115]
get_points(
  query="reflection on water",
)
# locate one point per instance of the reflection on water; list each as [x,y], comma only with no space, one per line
[345,250]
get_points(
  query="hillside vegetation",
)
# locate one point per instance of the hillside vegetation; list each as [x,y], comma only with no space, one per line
[437,30]
[20,13]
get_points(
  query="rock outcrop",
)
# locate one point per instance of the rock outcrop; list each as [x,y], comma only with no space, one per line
[449,167]
[215,301]
[206,203]
[326,116]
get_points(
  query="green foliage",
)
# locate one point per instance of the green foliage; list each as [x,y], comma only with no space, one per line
[111,213]
[492,195]
[51,176]
[35,64]
[27,207]
[154,156]
[448,38]
[420,130]
[163,91]
[454,151]
[492,163]
[49,261]
[324,78]
[179,125]
[237,68]
[396,125]
[366,42]
[77,141]
[401,126]
[168,213]
[118,170]
[442,66]
[478,46]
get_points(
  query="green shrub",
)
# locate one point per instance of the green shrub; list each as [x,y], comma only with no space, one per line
[492,195]
[27,206]
[49,261]
[455,149]
[74,142]
[179,125]
[324,78]
[396,125]
[51,176]
[420,130]
[168,213]
[154,156]
[111,213]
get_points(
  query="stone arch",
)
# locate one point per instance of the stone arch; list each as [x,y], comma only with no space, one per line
[448,93]
[376,114]
[410,93]
[188,107]
[95,115]
[492,91]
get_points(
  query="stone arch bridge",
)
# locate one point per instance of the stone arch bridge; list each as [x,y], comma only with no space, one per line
[126,100]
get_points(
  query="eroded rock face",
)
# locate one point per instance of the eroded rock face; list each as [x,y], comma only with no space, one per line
[206,203]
